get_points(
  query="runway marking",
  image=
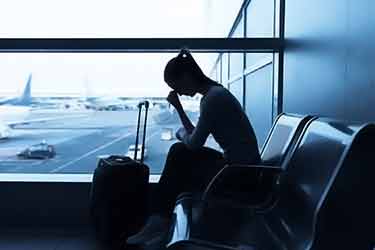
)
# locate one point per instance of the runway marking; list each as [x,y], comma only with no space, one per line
[89,153]
[97,149]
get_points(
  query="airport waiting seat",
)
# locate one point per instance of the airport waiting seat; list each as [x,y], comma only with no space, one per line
[322,202]
[256,185]
[279,144]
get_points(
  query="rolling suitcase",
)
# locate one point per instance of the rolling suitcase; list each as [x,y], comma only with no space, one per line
[119,192]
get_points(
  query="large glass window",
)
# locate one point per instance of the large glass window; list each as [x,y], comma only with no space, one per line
[214,74]
[85,106]
[259,23]
[236,88]
[117,19]
[259,96]
[259,84]
[260,18]
[224,68]
[236,62]
[218,71]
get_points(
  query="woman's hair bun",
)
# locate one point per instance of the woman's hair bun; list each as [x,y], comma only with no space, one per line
[184,53]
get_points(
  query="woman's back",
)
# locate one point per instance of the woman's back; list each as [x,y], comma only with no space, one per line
[229,125]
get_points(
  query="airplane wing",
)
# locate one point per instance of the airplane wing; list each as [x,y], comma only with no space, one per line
[4,100]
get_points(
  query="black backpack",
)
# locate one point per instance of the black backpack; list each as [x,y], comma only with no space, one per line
[119,194]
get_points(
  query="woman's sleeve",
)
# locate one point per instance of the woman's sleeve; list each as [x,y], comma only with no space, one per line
[203,128]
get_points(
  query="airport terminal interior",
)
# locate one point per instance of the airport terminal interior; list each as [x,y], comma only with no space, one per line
[72,76]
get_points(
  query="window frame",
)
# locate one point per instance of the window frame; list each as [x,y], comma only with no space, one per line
[156,45]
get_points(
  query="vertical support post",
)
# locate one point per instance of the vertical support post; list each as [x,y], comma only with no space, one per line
[278,59]
[280,91]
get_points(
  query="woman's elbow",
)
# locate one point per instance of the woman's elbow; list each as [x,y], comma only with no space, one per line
[193,146]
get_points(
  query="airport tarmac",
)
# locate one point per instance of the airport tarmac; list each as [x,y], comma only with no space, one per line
[80,139]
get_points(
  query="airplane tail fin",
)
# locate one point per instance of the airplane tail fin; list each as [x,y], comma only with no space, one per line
[25,98]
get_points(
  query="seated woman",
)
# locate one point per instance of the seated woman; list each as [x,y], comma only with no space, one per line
[189,165]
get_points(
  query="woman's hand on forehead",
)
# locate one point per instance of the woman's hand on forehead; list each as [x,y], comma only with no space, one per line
[173,99]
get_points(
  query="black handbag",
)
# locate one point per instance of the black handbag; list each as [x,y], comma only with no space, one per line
[119,192]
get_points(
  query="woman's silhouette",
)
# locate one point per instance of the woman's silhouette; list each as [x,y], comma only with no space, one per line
[189,165]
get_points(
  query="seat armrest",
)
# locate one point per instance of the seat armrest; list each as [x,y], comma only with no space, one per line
[259,166]
[181,221]
[189,230]
[238,175]
[207,245]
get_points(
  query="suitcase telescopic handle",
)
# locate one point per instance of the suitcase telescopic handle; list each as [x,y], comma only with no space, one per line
[146,104]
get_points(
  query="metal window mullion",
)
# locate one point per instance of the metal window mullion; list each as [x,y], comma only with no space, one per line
[244,14]
[204,45]
[278,66]
[221,68]
[280,82]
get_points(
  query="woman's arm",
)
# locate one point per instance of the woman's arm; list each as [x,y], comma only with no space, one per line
[193,137]
[185,120]
[198,136]
[175,101]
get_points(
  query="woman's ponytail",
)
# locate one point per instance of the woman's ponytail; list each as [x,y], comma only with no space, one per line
[184,63]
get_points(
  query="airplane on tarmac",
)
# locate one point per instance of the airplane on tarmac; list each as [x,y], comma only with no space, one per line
[15,110]
[112,103]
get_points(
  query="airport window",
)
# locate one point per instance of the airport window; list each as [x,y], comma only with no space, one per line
[259,84]
[236,62]
[257,59]
[118,19]
[84,106]
[259,23]
[236,88]
[214,74]
[260,18]
[239,30]
[225,68]
[218,70]
[84,103]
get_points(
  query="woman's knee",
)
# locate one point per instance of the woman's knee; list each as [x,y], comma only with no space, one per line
[176,159]
[178,148]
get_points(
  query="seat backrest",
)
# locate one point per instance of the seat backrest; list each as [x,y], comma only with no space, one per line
[277,149]
[346,218]
[280,141]
[303,186]
[282,138]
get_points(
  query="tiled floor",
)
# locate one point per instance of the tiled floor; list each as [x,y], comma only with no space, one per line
[47,239]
